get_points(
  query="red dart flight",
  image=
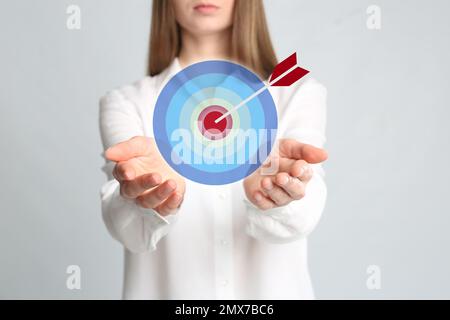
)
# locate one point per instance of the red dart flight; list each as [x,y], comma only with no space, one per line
[286,73]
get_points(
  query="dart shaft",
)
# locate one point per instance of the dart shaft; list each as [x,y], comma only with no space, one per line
[254,95]
[241,104]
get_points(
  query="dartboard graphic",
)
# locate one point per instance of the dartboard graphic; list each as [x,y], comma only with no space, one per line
[190,138]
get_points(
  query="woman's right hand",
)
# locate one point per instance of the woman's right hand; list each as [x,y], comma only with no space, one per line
[145,177]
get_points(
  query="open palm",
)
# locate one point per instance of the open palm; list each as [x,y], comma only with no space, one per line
[145,176]
[285,177]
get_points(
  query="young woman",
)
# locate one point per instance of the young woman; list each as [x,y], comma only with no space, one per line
[184,240]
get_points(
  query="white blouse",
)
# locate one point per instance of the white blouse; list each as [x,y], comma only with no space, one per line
[218,245]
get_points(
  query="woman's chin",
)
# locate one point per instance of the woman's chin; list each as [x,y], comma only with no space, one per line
[208,29]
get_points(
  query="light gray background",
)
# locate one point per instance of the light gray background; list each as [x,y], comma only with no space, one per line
[388,137]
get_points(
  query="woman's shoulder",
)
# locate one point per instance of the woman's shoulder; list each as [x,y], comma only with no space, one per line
[138,92]
[312,84]
[143,90]
[306,88]
[305,94]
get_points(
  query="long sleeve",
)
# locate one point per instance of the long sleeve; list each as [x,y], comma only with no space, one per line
[303,118]
[138,229]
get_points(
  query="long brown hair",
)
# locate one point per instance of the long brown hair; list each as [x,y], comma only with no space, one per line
[250,39]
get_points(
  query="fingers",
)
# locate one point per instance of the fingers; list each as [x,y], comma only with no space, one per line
[287,185]
[301,151]
[135,147]
[291,185]
[133,188]
[294,184]
[272,165]
[157,196]
[148,189]
[124,171]
[161,198]
[302,170]
[283,188]
[314,155]
[170,205]
[296,168]
[274,192]
[262,202]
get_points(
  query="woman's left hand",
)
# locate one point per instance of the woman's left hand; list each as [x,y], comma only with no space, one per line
[288,183]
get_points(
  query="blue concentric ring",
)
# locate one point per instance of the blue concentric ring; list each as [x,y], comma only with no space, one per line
[186,91]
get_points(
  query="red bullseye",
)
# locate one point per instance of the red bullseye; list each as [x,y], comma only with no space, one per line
[209,123]
[208,126]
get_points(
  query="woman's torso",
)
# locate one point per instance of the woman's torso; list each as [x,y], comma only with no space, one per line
[208,254]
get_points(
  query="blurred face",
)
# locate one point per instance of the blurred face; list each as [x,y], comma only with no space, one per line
[204,17]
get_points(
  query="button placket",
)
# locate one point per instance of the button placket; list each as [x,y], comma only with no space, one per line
[222,239]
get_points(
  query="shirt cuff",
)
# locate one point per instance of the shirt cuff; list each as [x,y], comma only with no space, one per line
[273,225]
[137,228]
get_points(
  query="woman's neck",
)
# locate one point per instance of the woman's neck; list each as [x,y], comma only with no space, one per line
[206,47]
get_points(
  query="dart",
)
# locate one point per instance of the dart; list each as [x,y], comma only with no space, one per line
[286,73]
